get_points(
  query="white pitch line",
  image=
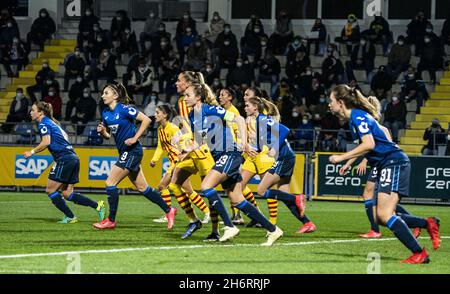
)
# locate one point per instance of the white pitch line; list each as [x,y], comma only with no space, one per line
[197,246]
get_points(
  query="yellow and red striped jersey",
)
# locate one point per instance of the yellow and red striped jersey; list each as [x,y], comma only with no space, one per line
[165,144]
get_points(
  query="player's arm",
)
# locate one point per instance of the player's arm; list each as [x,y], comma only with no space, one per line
[45,142]
[368,144]
[145,123]
[103,131]
[346,166]
[158,153]
[386,132]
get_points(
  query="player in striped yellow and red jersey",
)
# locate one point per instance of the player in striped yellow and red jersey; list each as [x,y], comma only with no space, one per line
[168,134]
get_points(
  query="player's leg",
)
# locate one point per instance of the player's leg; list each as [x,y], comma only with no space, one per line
[179,176]
[163,188]
[58,201]
[79,199]
[368,193]
[195,198]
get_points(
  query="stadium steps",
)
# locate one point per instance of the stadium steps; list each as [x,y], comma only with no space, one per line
[54,52]
[438,106]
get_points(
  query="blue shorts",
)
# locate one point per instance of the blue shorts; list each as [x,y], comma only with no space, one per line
[373,175]
[130,160]
[65,170]
[394,178]
[284,167]
[229,163]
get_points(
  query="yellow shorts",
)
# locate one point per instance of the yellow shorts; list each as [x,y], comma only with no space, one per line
[171,167]
[197,165]
[258,164]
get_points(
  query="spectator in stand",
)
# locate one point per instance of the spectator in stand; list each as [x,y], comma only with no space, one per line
[15,54]
[381,83]
[252,42]
[6,17]
[119,24]
[160,52]
[142,79]
[228,54]
[85,38]
[216,26]
[447,149]
[75,93]
[293,48]
[7,33]
[210,73]
[55,100]
[283,33]
[344,136]
[42,76]
[332,69]
[269,71]
[304,135]
[350,34]
[227,34]
[18,111]
[87,21]
[42,29]
[197,55]
[445,33]
[96,44]
[319,111]
[416,32]
[160,34]
[128,43]
[104,67]
[413,89]
[399,58]
[395,116]
[296,67]
[435,135]
[318,93]
[74,67]
[186,30]
[320,41]
[242,73]
[170,70]
[430,59]
[85,110]
[379,33]
[363,57]
[254,22]
[328,136]
[151,27]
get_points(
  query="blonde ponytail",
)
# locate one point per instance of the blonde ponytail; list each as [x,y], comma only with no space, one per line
[353,98]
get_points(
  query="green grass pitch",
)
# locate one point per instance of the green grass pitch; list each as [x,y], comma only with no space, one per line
[28,228]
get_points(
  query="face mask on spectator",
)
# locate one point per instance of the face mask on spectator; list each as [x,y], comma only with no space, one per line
[88,12]
[15,41]
[428,30]
[45,65]
[43,15]
[86,94]
[257,31]
[79,79]
[9,25]
[105,54]
[96,29]
[263,44]
[322,99]
[448,137]
[141,69]
[198,44]
[238,64]
[153,97]
[297,42]
[216,18]
[401,43]
[188,31]
[77,53]
[394,99]
[152,15]
[119,18]
[295,114]
[216,82]
[99,40]
[49,82]
[51,94]
[363,42]
[304,121]
[226,43]
[427,40]
[227,30]
[19,95]
[162,44]
[411,76]
[161,29]
[308,73]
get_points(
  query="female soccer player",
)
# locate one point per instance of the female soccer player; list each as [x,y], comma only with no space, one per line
[272,134]
[369,189]
[209,123]
[118,120]
[167,135]
[64,174]
[393,166]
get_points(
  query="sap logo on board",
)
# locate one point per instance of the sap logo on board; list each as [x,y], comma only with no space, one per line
[100,166]
[32,167]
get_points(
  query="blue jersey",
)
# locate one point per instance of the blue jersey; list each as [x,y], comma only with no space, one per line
[209,125]
[121,122]
[59,141]
[385,152]
[274,135]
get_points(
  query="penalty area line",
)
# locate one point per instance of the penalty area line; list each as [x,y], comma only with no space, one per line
[118,250]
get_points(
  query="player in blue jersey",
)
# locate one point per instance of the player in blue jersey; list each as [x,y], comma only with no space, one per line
[118,120]
[369,189]
[272,134]
[210,124]
[393,166]
[64,174]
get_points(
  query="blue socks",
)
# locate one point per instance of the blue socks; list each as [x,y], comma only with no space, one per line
[155,197]
[216,202]
[289,200]
[368,204]
[60,203]
[252,212]
[82,200]
[402,232]
[413,221]
[113,200]
[401,209]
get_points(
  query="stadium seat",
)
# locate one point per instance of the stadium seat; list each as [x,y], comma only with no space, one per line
[26,133]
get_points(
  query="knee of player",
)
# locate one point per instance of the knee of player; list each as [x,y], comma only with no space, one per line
[261,192]
[66,193]
[110,182]
[162,187]
[383,217]
[206,186]
[49,191]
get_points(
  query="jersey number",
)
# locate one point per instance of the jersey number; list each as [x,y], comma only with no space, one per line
[222,160]
[124,156]
[386,176]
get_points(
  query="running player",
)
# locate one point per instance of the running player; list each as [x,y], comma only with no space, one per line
[167,135]
[64,174]
[118,120]
[272,134]
[393,166]
[210,123]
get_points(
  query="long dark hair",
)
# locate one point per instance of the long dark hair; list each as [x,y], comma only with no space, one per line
[47,109]
[121,91]
[168,110]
